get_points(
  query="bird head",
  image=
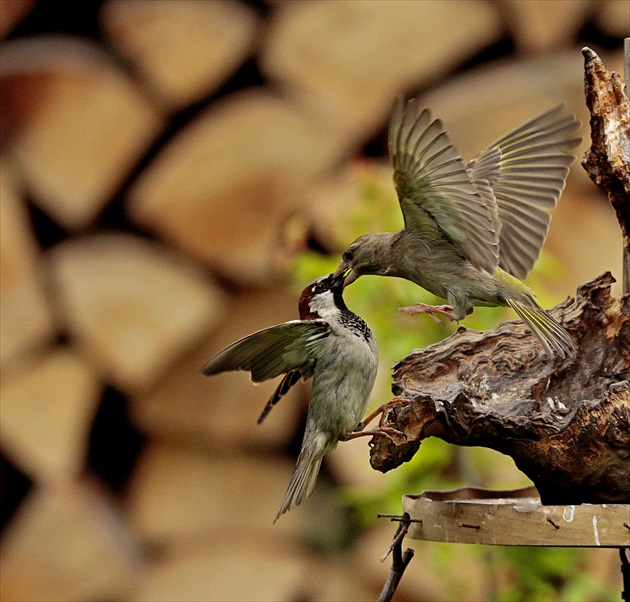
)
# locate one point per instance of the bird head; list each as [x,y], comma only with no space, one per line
[368,254]
[322,298]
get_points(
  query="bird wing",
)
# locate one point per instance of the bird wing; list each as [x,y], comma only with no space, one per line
[288,380]
[435,188]
[273,351]
[527,170]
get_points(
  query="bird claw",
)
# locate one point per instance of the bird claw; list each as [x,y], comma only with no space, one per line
[385,431]
[431,310]
[381,411]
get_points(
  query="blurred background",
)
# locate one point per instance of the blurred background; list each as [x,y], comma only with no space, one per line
[173,173]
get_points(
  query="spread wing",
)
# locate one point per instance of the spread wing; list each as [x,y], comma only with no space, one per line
[527,170]
[292,346]
[435,189]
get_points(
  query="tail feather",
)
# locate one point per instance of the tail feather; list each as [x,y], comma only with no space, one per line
[551,334]
[305,475]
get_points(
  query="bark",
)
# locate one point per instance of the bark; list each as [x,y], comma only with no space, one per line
[607,162]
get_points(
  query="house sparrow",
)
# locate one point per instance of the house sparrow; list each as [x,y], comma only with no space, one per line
[471,233]
[328,343]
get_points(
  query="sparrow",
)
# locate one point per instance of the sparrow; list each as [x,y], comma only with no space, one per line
[329,344]
[472,232]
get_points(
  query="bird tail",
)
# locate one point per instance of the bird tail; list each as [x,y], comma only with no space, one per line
[306,471]
[551,334]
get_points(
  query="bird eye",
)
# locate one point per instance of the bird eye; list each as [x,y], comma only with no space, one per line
[348,255]
[318,288]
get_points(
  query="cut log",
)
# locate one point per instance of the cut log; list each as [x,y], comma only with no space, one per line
[11,13]
[205,492]
[612,18]
[25,320]
[47,407]
[539,27]
[184,50]
[223,188]
[521,88]
[133,307]
[73,122]
[67,543]
[345,61]
[228,564]
[222,411]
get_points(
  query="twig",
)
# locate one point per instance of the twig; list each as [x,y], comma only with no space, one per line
[625,572]
[400,560]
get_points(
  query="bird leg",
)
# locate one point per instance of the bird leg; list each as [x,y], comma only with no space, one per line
[381,411]
[419,308]
[386,431]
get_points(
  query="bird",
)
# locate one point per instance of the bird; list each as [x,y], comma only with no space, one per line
[330,344]
[472,232]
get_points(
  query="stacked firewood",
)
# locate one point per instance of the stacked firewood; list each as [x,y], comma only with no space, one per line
[158,173]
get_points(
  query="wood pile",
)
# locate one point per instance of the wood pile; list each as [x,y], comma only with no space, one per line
[158,173]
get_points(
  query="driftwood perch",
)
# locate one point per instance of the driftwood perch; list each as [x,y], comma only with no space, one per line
[566,423]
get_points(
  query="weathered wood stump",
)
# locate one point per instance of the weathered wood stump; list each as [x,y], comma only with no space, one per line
[565,423]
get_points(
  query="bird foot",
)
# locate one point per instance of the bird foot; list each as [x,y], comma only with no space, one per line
[431,310]
[381,411]
[386,431]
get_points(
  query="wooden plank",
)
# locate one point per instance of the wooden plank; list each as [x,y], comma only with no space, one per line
[514,518]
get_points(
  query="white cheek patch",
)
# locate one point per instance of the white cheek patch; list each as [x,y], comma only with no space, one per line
[323,304]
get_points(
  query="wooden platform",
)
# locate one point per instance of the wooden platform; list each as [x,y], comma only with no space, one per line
[514,518]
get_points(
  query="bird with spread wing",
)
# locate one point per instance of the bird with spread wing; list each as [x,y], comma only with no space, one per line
[472,232]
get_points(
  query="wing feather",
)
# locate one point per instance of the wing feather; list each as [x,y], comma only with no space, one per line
[527,169]
[273,351]
[288,380]
[435,189]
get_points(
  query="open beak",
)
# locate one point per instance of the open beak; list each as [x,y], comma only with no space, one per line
[348,274]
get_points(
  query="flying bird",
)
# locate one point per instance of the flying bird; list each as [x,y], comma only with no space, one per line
[329,344]
[472,232]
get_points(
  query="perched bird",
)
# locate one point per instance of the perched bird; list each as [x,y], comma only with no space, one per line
[330,344]
[472,232]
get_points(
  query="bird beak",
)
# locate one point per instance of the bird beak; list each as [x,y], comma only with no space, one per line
[348,274]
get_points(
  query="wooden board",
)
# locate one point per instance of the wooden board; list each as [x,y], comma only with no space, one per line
[514,518]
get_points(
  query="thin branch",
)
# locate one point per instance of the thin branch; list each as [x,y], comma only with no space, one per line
[400,560]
